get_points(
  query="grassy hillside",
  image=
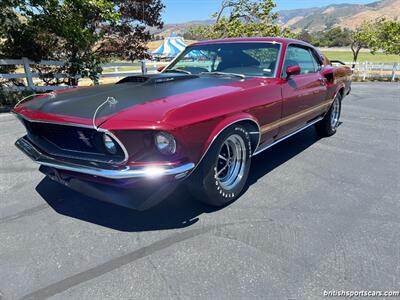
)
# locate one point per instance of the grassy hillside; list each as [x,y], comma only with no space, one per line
[363,56]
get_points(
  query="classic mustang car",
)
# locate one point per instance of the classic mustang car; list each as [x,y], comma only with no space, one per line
[201,119]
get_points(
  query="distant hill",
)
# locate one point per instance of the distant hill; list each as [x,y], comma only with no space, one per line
[343,15]
[317,18]
[179,28]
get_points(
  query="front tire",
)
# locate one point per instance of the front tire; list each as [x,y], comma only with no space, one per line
[328,125]
[222,174]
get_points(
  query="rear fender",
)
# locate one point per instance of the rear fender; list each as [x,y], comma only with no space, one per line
[338,89]
[334,89]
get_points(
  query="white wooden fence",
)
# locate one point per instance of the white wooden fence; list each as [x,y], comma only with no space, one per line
[376,70]
[363,70]
[28,75]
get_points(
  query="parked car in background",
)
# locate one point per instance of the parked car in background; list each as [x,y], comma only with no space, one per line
[201,120]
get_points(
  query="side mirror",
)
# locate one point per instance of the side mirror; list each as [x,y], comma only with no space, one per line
[292,70]
[160,69]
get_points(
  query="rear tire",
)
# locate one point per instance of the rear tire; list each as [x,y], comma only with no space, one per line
[222,174]
[328,125]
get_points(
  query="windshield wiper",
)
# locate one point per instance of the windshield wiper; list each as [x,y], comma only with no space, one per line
[177,71]
[224,74]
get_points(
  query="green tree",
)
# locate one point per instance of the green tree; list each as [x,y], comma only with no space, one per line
[378,35]
[334,37]
[387,37]
[306,37]
[83,33]
[241,18]
[362,37]
[197,32]
[7,14]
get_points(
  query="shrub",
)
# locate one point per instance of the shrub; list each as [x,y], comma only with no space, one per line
[9,99]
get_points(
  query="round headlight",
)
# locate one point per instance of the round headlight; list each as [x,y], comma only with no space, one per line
[109,144]
[165,143]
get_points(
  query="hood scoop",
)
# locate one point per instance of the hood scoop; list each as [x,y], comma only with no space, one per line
[156,78]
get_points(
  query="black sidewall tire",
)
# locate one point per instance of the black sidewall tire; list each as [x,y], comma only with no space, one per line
[203,183]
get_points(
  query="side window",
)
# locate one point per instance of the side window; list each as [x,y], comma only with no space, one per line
[302,57]
[317,63]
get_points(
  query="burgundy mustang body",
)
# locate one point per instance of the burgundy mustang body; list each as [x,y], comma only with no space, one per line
[202,119]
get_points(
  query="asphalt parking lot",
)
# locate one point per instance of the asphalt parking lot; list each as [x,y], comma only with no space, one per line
[317,215]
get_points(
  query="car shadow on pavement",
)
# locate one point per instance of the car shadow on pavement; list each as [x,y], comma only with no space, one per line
[178,210]
[275,156]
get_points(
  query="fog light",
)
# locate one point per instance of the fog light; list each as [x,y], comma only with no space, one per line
[109,144]
[165,143]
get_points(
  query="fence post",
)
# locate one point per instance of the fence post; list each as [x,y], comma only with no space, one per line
[365,70]
[96,81]
[143,66]
[394,71]
[28,73]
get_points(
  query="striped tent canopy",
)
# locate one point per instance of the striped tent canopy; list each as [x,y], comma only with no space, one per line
[171,47]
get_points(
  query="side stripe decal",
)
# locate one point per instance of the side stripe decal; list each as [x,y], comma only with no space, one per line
[296,116]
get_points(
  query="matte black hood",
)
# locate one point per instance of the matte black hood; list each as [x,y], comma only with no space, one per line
[130,91]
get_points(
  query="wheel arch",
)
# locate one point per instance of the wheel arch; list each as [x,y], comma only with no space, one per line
[339,90]
[247,120]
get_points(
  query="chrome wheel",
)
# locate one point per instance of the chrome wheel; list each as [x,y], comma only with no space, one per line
[335,114]
[231,162]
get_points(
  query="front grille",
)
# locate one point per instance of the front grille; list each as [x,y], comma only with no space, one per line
[71,141]
[65,137]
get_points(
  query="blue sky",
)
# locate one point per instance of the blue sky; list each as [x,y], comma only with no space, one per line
[178,11]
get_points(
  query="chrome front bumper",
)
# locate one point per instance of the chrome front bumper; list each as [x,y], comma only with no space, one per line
[124,173]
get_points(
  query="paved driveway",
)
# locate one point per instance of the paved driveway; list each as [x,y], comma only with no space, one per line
[317,215]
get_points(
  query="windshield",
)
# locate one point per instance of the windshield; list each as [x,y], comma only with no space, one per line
[250,59]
